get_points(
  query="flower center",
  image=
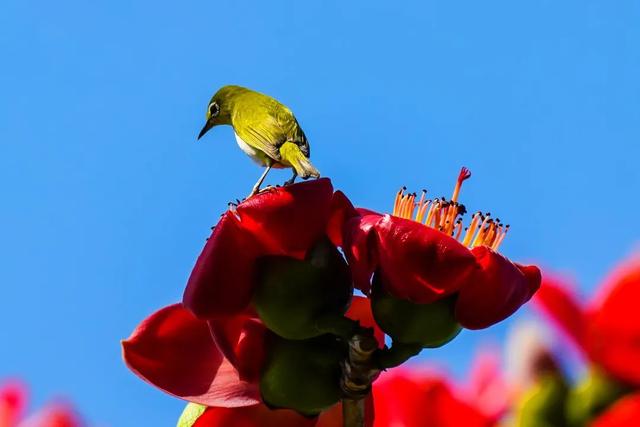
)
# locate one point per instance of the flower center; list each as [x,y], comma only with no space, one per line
[446,216]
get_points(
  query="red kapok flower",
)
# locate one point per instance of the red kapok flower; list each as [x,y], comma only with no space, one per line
[607,329]
[279,221]
[424,253]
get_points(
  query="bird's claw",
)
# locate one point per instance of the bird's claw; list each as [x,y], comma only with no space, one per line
[260,191]
[266,189]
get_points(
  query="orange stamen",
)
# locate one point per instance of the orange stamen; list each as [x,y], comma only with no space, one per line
[396,204]
[458,229]
[432,209]
[422,210]
[481,232]
[472,229]
[499,240]
[446,216]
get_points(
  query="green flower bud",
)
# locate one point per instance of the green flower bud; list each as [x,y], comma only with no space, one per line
[592,395]
[304,299]
[543,405]
[303,375]
[430,325]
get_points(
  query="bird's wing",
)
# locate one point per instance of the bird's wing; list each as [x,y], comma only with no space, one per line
[259,129]
[302,141]
[291,128]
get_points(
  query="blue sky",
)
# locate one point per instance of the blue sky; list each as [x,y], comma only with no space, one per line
[107,198]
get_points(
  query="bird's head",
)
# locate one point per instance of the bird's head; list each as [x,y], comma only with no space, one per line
[220,107]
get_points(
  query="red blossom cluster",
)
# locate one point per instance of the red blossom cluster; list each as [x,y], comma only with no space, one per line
[261,336]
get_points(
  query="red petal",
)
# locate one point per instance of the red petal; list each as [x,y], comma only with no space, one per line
[556,301]
[341,211]
[360,310]
[365,212]
[496,291]
[419,263]
[533,276]
[288,220]
[252,416]
[222,281]
[624,413]
[174,351]
[359,249]
[241,339]
[613,336]
[404,399]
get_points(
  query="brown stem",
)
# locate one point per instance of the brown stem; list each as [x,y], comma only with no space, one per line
[353,412]
[358,372]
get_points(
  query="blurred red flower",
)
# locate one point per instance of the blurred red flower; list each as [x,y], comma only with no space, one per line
[13,399]
[13,402]
[405,398]
[624,413]
[607,329]
[423,254]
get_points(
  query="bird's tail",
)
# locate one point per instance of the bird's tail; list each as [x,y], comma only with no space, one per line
[291,154]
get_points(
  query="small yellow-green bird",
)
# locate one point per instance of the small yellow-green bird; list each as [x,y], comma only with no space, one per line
[265,129]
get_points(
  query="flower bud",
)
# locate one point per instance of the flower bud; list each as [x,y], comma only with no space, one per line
[301,299]
[302,375]
[430,325]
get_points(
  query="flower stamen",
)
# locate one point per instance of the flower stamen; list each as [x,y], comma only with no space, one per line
[446,216]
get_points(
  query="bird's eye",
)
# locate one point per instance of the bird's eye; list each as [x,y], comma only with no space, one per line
[214,109]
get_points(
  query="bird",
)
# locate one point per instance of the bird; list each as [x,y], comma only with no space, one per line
[265,129]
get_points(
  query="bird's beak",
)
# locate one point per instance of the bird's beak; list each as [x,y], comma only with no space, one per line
[206,128]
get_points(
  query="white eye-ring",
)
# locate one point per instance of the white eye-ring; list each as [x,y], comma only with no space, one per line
[214,109]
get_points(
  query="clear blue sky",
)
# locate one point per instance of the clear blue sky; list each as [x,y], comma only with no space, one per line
[106,198]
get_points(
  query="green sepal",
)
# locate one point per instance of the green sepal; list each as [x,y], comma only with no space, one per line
[301,299]
[543,405]
[396,355]
[190,414]
[591,396]
[303,375]
[430,325]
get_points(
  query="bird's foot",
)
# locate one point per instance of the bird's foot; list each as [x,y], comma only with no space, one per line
[260,191]
[267,189]
[254,191]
